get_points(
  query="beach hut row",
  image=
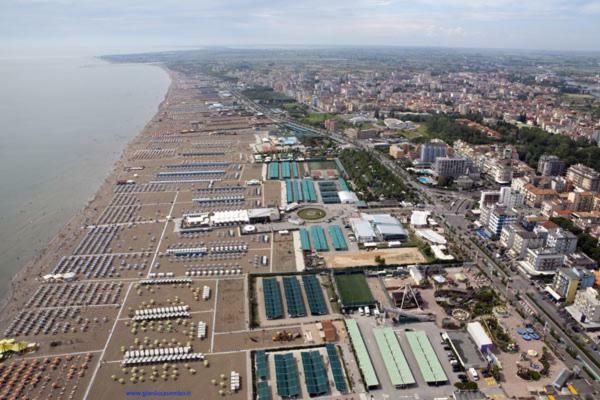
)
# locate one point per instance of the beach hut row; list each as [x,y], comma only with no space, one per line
[161,313]
[162,359]
[216,272]
[235,381]
[202,329]
[165,281]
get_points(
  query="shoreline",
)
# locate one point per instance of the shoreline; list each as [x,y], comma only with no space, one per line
[25,278]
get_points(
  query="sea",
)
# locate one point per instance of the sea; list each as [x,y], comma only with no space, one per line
[64,122]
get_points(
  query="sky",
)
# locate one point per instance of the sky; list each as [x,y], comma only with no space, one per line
[142,25]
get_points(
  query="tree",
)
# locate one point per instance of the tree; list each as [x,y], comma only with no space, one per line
[445,181]
[380,260]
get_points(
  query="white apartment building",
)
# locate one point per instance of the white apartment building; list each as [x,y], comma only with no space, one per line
[561,241]
[541,262]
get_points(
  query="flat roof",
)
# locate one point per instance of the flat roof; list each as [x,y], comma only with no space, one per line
[362,354]
[429,364]
[393,357]
[431,236]
[381,219]
[419,217]
[468,354]
[362,228]
[479,334]
[385,229]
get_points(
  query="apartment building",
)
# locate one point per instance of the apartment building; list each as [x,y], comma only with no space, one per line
[584,178]
[535,196]
[549,165]
[494,218]
[561,241]
[541,262]
[567,281]
[587,302]
[525,240]
[431,151]
[450,167]
[581,201]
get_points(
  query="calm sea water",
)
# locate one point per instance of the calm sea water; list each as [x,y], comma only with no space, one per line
[63,124]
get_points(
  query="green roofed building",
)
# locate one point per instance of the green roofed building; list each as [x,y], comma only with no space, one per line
[393,357]
[429,364]
[362,355]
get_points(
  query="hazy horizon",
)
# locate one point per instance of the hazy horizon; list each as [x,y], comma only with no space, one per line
[552,25]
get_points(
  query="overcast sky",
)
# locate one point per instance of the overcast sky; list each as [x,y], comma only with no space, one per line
[145,24]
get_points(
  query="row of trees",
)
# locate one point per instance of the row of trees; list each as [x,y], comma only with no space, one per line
[372,180]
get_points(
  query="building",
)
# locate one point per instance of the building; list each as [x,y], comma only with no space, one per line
[567,281]
[535,196]
[580,260]
[489,198]
[328,331]
[581,201]
[431,151]
[494,218]
[584,178]
[561,241]
[363,230]
[263,215]
[418,219]
[587,302]
[586,220]
[511,198]
[397,151]
[498,170]
[518,240]
[541,262]
[525,240]
[549,165]
[450,167]
[393,123]
[361,134]
[464,182]
[480,337]
[507,236]
[347,197]
[386,226]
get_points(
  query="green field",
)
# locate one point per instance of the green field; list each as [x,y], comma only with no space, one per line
[322,164]
[419,132]
[353,289]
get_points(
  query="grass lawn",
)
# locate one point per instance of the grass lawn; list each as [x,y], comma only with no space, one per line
[420,131]
[353,289]
[311,213]
[316,119]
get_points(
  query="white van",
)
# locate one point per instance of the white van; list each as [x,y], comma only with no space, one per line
[473,374]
